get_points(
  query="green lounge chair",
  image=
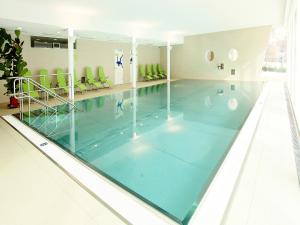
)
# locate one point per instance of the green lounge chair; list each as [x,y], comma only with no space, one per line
[155,72]
[61,81]
[149,72]
[143,73]
[44,79]
[90,78]
[78,84]
[161,71]
[102,78]
[29,88]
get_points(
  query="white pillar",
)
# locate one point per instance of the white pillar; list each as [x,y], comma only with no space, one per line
[134,111]
[72,140]
[168,101]
[134,62]
[71,40]
[169,61]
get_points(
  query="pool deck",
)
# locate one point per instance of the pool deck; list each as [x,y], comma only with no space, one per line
[35,191]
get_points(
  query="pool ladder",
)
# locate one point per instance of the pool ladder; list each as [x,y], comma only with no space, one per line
[32,85]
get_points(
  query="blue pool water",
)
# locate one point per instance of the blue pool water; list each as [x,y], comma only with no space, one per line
[163,148]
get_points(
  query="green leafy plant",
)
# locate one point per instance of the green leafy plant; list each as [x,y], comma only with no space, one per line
[12,63]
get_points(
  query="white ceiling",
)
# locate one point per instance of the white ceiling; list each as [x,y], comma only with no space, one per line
[155,20]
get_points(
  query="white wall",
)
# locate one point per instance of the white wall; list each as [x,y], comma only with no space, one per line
[188,60]
[88,53]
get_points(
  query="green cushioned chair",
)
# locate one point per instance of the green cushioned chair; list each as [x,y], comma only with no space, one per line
[142,73]
[155,71]
[90,78]
[29,88]
[44,79]
[78,84]
[102,77]
[61,81]
[149,72]
[161,71]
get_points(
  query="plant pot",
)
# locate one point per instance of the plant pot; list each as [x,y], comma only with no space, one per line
[13,103]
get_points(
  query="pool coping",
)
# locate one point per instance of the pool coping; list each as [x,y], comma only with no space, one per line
[131,208]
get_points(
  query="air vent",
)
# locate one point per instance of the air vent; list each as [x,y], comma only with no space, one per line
[49,42]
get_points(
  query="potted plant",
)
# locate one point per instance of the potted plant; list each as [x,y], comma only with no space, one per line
[12,63]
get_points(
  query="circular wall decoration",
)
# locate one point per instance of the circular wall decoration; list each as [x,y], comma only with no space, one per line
[233,54]
[209,55]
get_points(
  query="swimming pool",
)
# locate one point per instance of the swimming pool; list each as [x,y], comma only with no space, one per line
[164,144]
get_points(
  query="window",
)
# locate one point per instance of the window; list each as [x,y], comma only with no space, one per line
[276,53]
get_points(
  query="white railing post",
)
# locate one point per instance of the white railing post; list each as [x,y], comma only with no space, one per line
[134,62]
[71,40]
[168,100]
[169,61]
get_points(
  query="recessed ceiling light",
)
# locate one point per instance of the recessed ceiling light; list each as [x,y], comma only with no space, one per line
[58,32]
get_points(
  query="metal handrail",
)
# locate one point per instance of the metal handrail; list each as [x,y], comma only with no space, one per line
[41,88]
[38,101]
[36,87]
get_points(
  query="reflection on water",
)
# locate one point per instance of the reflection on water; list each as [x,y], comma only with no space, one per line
[163,143]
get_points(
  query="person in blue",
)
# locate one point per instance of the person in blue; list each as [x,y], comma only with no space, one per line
[119,62]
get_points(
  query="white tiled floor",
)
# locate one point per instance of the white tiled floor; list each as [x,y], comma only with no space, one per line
[34,191]
[268,191]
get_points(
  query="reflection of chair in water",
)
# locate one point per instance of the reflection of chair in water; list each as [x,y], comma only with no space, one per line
[88,105]
[140,91]
[100,101]
[158,87]
[152,89]
[146,90]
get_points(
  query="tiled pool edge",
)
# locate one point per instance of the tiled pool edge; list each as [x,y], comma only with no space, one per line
[212,207]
